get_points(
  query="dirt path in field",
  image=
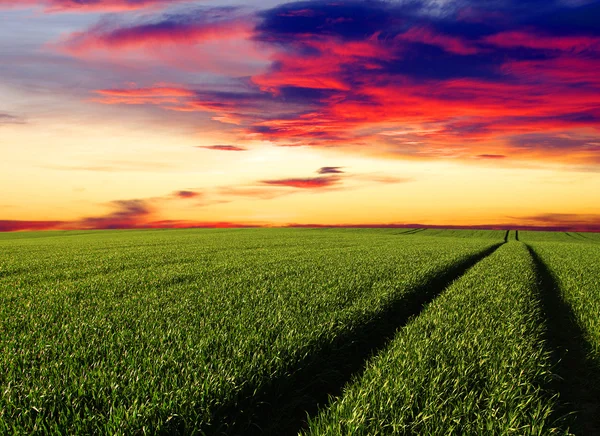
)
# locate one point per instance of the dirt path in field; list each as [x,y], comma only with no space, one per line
[282,406]
[579,382]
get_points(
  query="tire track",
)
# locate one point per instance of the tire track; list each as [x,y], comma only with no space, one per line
[281,407]
[412,232]
[407,232]
[578,383]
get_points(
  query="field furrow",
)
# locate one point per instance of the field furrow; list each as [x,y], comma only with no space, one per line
[474,362]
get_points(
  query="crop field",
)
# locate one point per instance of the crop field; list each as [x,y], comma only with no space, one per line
[311,331]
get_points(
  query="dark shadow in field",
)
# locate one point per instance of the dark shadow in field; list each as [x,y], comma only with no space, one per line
[282,405]
[409,231]
[412,232]
[516,235]
[586,238]
[579,376]
[506,236]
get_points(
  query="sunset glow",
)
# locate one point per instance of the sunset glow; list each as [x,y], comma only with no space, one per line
[156,113]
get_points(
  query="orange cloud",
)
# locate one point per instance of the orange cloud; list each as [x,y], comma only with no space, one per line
[223,147]
[305,183]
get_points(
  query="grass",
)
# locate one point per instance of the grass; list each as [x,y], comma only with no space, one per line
[276,331]
[188,331]
[474,362]
[571,280]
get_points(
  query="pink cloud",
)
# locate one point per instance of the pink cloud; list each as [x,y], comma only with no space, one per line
[153,36]
[543,42]
[88,5]
[159,95]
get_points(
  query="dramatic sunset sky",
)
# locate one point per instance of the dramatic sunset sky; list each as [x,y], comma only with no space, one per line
[175,113]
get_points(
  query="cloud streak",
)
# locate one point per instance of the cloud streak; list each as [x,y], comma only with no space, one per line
[17,225]
[562,221]
[223,147]
[185,195]
[126,214]
[6,119]
[173,30]
[304,183]
[330,170]
[53,6]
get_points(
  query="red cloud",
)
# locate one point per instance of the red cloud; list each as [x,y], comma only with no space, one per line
[15,225]
[127,214]
[154,95]
[304,183]
[88,5]
[180,224]
[491,156]
[319,72]
[186,194]
[223,147]
[456,95]
[153,35]
[531,40]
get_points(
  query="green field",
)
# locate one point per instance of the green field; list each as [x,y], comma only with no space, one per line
[312,331]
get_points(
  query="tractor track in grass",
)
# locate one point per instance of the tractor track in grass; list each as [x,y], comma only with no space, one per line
[412,232]
[282,406]
[586,238]
[579,376]
[407,232]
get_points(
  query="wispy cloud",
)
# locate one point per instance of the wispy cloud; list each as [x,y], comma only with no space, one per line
[126,214]
[194,27]
[158,95]
[330,170]
[304,183]
[16,225]
[187,194]
[491,156]
[223,147]
[562,221]
[10,119]
[88,5]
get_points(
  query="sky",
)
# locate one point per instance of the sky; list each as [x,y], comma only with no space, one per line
[176,113]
